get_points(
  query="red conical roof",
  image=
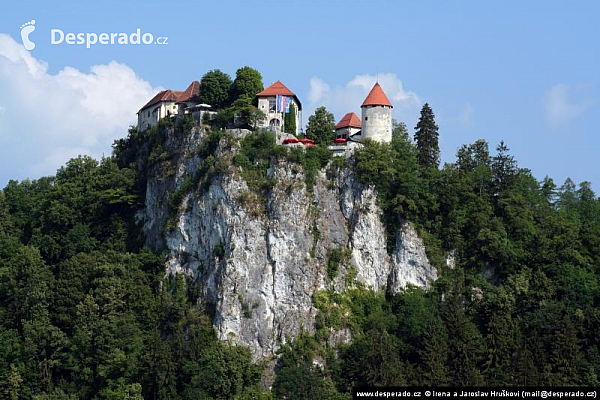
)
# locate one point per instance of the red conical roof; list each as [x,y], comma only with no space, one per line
[376,98]
[349,120]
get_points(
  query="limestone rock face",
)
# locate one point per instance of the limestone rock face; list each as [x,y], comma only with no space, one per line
[260,260]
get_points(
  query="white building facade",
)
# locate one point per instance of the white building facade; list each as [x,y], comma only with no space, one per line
[276,101]
[167,103]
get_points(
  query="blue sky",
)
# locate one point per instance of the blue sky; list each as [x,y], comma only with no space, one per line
[527,73]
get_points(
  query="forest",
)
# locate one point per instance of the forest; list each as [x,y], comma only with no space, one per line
[86,311]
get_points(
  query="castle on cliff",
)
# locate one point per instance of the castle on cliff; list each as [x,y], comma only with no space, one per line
[375,122]
[277,101]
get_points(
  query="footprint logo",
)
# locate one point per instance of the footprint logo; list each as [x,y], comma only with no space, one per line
[26,29]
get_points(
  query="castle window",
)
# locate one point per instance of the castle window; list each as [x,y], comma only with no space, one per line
[366,118]
[272,105]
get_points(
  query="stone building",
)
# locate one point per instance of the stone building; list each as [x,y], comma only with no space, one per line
[168,103]
[275,101]
[348,126]
[376,117]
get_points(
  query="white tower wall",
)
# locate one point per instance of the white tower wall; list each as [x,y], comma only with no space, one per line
[377,123]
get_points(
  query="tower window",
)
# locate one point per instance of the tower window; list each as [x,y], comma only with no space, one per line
[366,118]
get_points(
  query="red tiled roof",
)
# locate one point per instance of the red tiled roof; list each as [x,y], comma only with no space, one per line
[279,88]
[275,89]
[349,120]
[376,98]
[188,94]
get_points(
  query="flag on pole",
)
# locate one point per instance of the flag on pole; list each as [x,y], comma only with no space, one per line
[287,106]
[281,103]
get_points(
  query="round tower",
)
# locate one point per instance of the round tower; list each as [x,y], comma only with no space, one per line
[377,116]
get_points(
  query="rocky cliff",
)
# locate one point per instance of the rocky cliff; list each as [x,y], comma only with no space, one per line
[261,259]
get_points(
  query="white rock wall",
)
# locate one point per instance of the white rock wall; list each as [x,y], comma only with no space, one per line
[274,260]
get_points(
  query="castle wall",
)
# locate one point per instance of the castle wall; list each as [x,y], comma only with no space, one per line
[377,123]
[148,119]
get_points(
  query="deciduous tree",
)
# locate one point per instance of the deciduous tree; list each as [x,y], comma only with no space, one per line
[214,88]
[248,82]
[321,126]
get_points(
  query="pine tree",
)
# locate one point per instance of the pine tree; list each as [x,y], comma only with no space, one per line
[289,123]
[383,366]
[548,190]
[500,348]
[566,354]
[465,343]
[526,373]
[504,167]
[426,136]
[567,196]
[434,353]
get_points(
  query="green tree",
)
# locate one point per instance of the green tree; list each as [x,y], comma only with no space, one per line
[248,82]
[383,366]
[526,372]
[13,381]
[321,126]
[6,225]
[298,377]
[249,116]
[289,122]
[253,117]
[474,155]
[214,88]
[222,372]
[434,353]
[566,354]
[548,190]
[426,138]
[501,346]
[465,343]
[504,167]
[567,197]
[399,130]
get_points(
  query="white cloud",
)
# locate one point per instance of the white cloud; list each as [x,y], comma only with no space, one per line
[465,118]
[342,99]
[46,119]
[318,89]
[559,107]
